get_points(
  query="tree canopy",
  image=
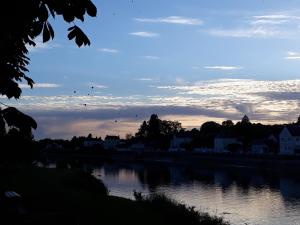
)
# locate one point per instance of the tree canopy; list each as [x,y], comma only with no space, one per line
[158,132]
[21,22]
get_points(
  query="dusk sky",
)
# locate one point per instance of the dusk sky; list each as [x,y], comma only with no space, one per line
[186,60]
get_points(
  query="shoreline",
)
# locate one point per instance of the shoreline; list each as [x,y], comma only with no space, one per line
[278,163]
[68,197]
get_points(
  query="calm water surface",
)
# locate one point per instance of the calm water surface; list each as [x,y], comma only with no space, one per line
[240,196]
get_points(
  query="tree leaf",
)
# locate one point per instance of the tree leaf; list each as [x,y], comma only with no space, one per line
[37,28]
[46,33]
[72,34]
[16,118]
[91,9]
[50,30]
[43,13]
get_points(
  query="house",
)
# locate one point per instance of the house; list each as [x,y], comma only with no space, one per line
[53,146]
[259,146]
[224,141]
[289,140]
[138,146]
[92,142]
[179,140]
[111,142]
[203,150]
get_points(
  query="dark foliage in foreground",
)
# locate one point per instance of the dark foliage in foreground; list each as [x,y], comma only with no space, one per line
[21,23]
[177,213]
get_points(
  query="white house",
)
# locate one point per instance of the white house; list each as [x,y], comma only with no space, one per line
[203,150]
[53,146]
[259,147]
[179,140]
[222,141]
[111,142]
[289,140]
[92,142]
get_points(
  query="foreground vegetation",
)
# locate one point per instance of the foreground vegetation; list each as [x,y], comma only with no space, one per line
[59,196]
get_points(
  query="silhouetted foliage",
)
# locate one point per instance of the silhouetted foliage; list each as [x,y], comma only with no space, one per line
[175,212]
[298,120]
[15,135]
[21,22]
[245,120]
[227,123]
[157,132]
[207,133]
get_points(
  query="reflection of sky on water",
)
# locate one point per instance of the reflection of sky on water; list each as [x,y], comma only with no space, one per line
[240,196]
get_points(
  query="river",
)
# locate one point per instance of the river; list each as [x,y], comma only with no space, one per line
[241,196]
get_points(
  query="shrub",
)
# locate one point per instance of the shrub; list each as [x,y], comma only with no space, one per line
[175,213]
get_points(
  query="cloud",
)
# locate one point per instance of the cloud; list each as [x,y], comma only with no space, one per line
[41,85]
[151,57]
[146,79]
[236,89]
[288,96]
[172,20]
[266,21]
[267,101]
[117,121]
[108,50]
[41,46]
[252,32]
[293,55]
[95,85]
[245,108]
[180,81]
[145,34]
[277,17]
[274,25]
[223,67]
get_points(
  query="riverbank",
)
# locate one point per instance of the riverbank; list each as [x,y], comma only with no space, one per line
[276,163]
[59,196]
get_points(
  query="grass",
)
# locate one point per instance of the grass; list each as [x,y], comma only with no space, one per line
[72,197]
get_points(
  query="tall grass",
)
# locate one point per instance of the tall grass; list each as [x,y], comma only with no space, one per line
[177,213]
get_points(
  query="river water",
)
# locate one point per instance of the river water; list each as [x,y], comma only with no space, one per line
[239,195]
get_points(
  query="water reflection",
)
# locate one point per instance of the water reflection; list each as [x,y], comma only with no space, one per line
[240,195]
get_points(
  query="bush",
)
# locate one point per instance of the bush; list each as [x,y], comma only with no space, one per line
[85,181]
[177,213]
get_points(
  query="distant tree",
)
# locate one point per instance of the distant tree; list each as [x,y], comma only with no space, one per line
[245,120]
[128,136]
[143,130]
[298,121]
[227,123]
[170,127]
[210,127]
[158,131]
[154,126]
[90,136]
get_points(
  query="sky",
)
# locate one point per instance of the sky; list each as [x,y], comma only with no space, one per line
[186,60]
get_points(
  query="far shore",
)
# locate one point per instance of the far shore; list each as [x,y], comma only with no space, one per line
[279,163]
